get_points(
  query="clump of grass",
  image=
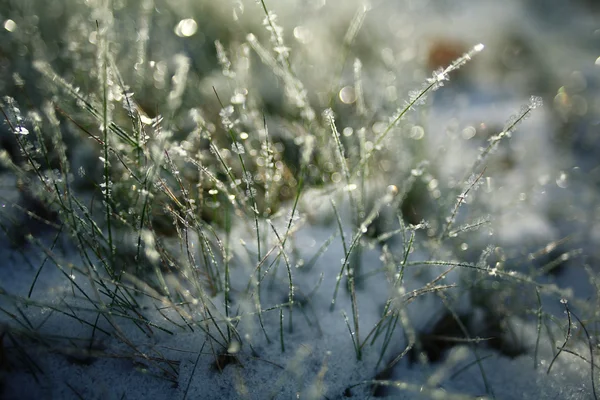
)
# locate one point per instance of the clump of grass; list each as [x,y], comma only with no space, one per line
[155,215]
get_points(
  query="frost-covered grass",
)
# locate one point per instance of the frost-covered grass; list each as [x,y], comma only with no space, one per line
[256,200]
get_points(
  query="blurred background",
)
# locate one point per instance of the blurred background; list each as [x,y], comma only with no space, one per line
[544,48]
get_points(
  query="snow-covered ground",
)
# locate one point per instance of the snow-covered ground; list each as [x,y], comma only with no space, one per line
[538,191]
[319,359]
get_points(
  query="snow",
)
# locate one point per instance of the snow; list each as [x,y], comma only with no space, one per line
[319,359]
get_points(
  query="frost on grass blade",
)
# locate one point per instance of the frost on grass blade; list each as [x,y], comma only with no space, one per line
[358,87]
[21,130]
[226,114]
[276,31]
[223,60]
[417,97]
[523,114]
[294,88]
[356,23]
[471,184]
[509,127]
[535,102]
[238,148]
[179,81]
[13,116]
[440,75]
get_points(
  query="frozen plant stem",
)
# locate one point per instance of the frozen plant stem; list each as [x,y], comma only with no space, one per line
[103,43]
[349,37]
[254,209]
[417,97]
[289,272]
[511,124]
[330,119]
[462,198]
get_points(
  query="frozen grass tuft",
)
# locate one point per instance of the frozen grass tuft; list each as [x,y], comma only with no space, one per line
[199,206]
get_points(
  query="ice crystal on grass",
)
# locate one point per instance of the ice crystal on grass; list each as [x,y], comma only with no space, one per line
[226,114]
[294,88]
[182,67]
[13,117]
[308,148]
[358,87]
[21,130]
[276,31]
[417,97]
[436,81]
[329,116]
[128,102]
[522,115]
[104,186]
[224,60]
[238,148]
[509,127]
[239,97]
[535,102]
[356,23]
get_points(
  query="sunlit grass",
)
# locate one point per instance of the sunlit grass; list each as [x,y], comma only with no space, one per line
[198,183]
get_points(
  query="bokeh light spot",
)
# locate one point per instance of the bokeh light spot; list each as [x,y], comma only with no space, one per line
[10,25]
[347,95]
[186,27]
